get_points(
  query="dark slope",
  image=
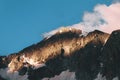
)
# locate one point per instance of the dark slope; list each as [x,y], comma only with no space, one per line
[111,56]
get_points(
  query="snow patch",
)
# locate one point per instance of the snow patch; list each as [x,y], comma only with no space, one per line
[100,77]
[36,66]
[32,62]
[60,30]
[65,75]
[101,65]
[116,78]
[53,32]
[95,46]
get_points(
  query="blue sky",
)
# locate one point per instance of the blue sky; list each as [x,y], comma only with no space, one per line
[22,22]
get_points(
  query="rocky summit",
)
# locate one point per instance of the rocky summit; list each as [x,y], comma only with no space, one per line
[69,54]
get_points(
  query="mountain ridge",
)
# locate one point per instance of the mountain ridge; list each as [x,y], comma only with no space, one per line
[67,50]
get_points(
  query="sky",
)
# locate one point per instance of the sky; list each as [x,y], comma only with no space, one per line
[23,22]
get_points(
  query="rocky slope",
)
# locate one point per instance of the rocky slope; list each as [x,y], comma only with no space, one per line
[66,55]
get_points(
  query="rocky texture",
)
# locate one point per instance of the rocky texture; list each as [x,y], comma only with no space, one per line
[111,56]
[94,56]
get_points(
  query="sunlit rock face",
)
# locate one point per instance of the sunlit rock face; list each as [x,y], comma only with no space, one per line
[66,55]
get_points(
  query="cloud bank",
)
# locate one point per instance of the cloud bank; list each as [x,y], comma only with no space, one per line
[104,18]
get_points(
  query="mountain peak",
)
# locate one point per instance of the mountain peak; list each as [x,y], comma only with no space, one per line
[62,30]
[66,52]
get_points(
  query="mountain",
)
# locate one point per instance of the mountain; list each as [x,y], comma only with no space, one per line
[69,54]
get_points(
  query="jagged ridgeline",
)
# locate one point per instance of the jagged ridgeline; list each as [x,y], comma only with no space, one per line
[68,54]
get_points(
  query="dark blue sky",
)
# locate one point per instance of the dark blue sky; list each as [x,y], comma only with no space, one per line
[22,22]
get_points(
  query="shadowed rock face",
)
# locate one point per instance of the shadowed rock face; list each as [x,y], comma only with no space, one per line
[2,62]
[111,56]
[68,51]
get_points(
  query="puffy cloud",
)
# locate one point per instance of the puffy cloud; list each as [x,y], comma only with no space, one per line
[111,15]
[104,18]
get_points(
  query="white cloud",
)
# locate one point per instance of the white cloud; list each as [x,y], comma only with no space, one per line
[111,14]
[104,18]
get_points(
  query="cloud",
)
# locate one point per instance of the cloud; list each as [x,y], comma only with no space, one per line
[104,18]
[111,15]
